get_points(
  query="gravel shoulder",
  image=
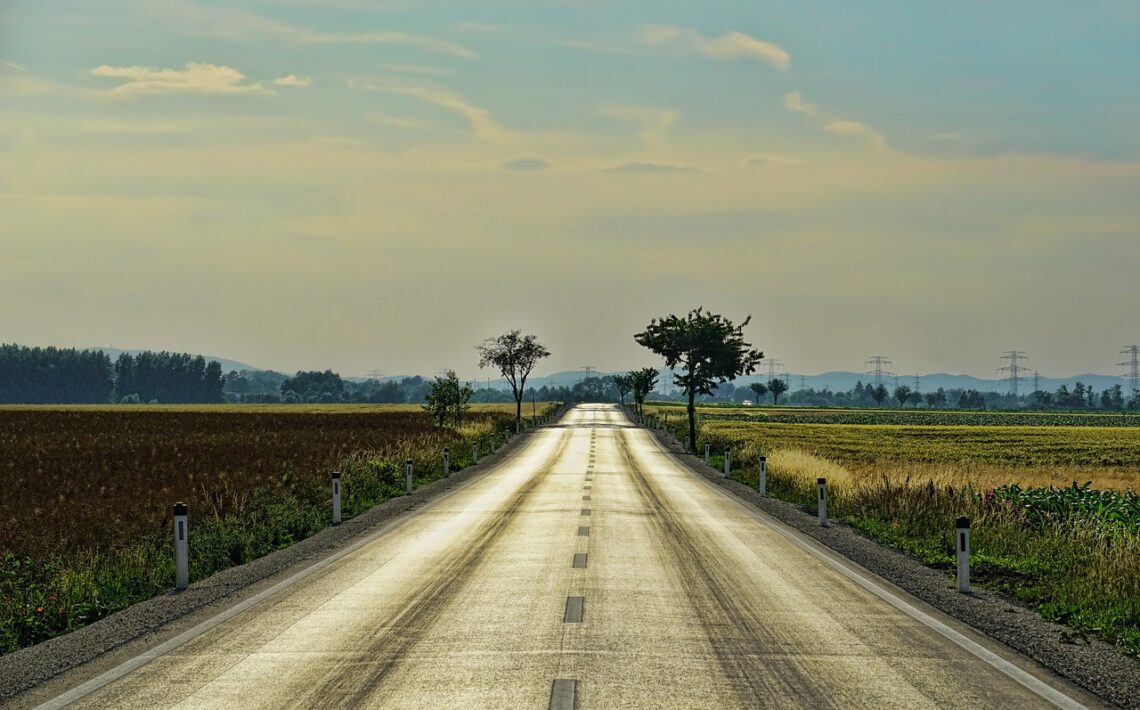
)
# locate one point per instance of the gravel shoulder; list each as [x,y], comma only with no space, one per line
[1094,665]
[88,651]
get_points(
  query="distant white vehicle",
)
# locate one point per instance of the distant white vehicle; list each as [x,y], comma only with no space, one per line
[747,403]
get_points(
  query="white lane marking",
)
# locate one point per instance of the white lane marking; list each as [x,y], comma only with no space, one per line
[84,689]
[1030,681]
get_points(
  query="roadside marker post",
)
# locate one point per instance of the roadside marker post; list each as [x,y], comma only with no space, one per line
[727,462]
[963,526]
[181,547]
[474,452]
[336,497]
[686,443]
[707,454]
[446,462]
[762,481]
[409,462]
[822,485]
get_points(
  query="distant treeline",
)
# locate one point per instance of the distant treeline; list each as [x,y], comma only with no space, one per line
[169,378]
[70,376]
[330,388]
[1079,397]
[54,376]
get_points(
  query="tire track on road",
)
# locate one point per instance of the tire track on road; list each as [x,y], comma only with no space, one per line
[390,638]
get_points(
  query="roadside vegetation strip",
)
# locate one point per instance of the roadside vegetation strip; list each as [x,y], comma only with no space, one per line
[1069,551]
[85,519]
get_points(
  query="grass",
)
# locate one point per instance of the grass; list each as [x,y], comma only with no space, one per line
[1072,552]
[85,518]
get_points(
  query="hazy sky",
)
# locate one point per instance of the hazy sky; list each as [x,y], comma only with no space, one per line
[379,185]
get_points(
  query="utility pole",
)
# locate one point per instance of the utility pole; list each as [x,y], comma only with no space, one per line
[1036,381]
[1132,362]
[774,366]
[1014,368]
[917,383]
[878,366]
[375,374]
[586,369]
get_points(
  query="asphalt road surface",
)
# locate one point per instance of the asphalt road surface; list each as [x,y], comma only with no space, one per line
[588,569]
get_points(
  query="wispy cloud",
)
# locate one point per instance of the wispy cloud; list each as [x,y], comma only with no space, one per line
[403,123]
[641,167]
[194,78]
[795,101]
[293,80]
[654,122]
[480,120]
[233,24]
[731,45]
[526,164]
[13,65]
[854,128]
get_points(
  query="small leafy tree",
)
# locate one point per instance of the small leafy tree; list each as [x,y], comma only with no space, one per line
[777,387]
[760,389]
[514,355]
[624,384]
[902,394]
[643,382]
[708,348]
[447,398]
[935,399]
[879,393]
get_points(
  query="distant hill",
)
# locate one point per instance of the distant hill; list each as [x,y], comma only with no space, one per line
[227,365]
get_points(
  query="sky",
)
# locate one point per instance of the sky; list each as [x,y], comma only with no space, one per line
[379,185]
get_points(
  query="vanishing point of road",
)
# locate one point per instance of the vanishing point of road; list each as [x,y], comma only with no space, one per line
[588,568]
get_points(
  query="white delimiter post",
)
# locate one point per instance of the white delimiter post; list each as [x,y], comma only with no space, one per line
[336,497]
[963,526]
[474,452]
[707,454]
[446,462]
[409,462]
[181,548]
[822,501]
[762,482]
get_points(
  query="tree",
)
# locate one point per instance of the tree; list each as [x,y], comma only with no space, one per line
[1112,398]
[935,399]
[777,387]
[708,348]
[971,399]
[448,398]
[643,381]
[514,355]
[902,394]
[624,384]
[760,389]
[313,386]
[879,393]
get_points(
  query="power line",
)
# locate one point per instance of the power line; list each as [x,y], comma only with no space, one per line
[1014,368]
[1132,352]
[879,366]
[774,366]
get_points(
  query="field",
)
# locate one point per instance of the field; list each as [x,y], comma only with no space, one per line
[85,515]
[1052,498]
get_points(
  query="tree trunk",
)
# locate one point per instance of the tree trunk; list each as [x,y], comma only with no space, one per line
[692,409]
[518,409]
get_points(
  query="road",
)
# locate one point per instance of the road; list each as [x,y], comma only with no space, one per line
[588,569]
